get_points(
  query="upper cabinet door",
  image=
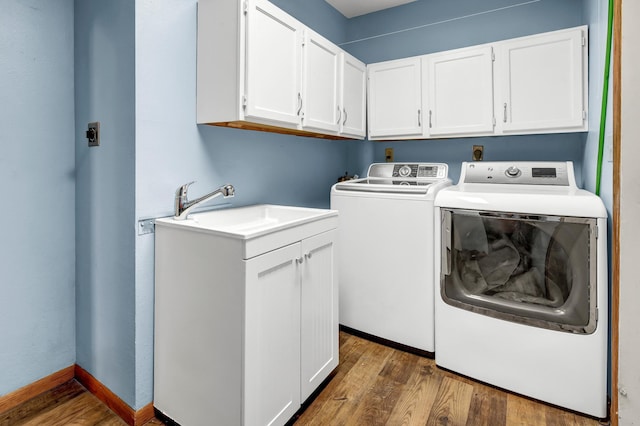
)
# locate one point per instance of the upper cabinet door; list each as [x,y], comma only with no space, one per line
[321,67]
[273,62]
[460,91]
[395,99]
[543,82]
[354,97]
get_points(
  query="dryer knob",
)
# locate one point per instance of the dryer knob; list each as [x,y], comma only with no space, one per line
[513,171]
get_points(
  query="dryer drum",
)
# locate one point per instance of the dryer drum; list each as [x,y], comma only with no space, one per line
[535,270]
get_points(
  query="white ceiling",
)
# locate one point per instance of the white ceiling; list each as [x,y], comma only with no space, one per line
[351,8]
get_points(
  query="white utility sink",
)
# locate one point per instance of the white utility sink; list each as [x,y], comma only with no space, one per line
[258,226]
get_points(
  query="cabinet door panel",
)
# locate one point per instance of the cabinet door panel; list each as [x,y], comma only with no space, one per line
[319,310]
[320,95]
[461,92]
[395,99]
[272,337]
[354,93]
[274,44]
[543,82]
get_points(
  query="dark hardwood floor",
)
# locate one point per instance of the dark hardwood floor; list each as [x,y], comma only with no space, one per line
[373,385]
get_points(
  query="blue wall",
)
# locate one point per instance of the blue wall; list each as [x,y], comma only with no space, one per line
[37,249]
[105,193]
[427,26]
[135,73]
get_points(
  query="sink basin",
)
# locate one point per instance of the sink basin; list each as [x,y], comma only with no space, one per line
[254,229]
[251,221]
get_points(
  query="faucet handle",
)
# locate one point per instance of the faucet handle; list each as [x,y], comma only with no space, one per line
[182,190]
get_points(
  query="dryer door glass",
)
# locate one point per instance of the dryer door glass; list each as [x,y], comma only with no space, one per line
[536,270]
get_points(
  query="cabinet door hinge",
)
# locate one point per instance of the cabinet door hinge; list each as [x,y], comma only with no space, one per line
[584,115]
[493,55]
[244,101]
[245,7]
[584,41]
[494,122]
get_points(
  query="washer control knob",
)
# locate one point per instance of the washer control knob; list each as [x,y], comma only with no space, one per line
[512,171]
[404,171]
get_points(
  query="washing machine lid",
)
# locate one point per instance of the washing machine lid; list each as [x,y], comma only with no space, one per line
[546,188]
[399,178]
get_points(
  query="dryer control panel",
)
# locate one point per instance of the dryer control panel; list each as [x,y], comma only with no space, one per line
[523,173]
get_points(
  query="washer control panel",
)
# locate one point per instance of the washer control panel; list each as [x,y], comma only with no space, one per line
[523,173]
[426,171]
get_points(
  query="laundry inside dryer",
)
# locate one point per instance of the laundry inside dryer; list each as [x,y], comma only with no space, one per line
[531,269]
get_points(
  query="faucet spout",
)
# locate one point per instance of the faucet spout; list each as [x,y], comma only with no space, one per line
[183,206]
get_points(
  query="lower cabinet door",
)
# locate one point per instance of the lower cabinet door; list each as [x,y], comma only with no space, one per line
[272,337]
[319,312]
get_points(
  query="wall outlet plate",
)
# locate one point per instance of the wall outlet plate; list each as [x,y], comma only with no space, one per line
[93,133]
[477,153]
[388,155]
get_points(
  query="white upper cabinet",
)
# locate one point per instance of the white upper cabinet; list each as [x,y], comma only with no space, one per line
[273,78]
[395,99]
[248,64]
[528,85]
[543,82]
[320,97]
[259,68]
[353,74]
[459,92]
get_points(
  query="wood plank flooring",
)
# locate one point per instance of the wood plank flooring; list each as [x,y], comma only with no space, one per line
[379,385]
[373,385]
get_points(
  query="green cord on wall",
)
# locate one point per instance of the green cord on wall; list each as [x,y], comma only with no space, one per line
[605,96]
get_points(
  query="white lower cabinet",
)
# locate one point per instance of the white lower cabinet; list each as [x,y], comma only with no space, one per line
[242,341]
[272,337]
[318,311]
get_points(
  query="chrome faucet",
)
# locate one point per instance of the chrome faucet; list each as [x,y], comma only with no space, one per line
[183,206]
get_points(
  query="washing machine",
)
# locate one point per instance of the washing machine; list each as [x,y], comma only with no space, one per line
[386,259]
[522,300]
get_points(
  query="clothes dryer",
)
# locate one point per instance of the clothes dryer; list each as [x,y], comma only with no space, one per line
[522,300]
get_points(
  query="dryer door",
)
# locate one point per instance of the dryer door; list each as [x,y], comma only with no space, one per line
[535,270]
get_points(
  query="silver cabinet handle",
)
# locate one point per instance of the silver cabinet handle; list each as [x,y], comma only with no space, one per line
[504,118]
[308,255]
[299,103]
[339,115]
[419,118]
[345,116]
[300,260]
[430,114]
